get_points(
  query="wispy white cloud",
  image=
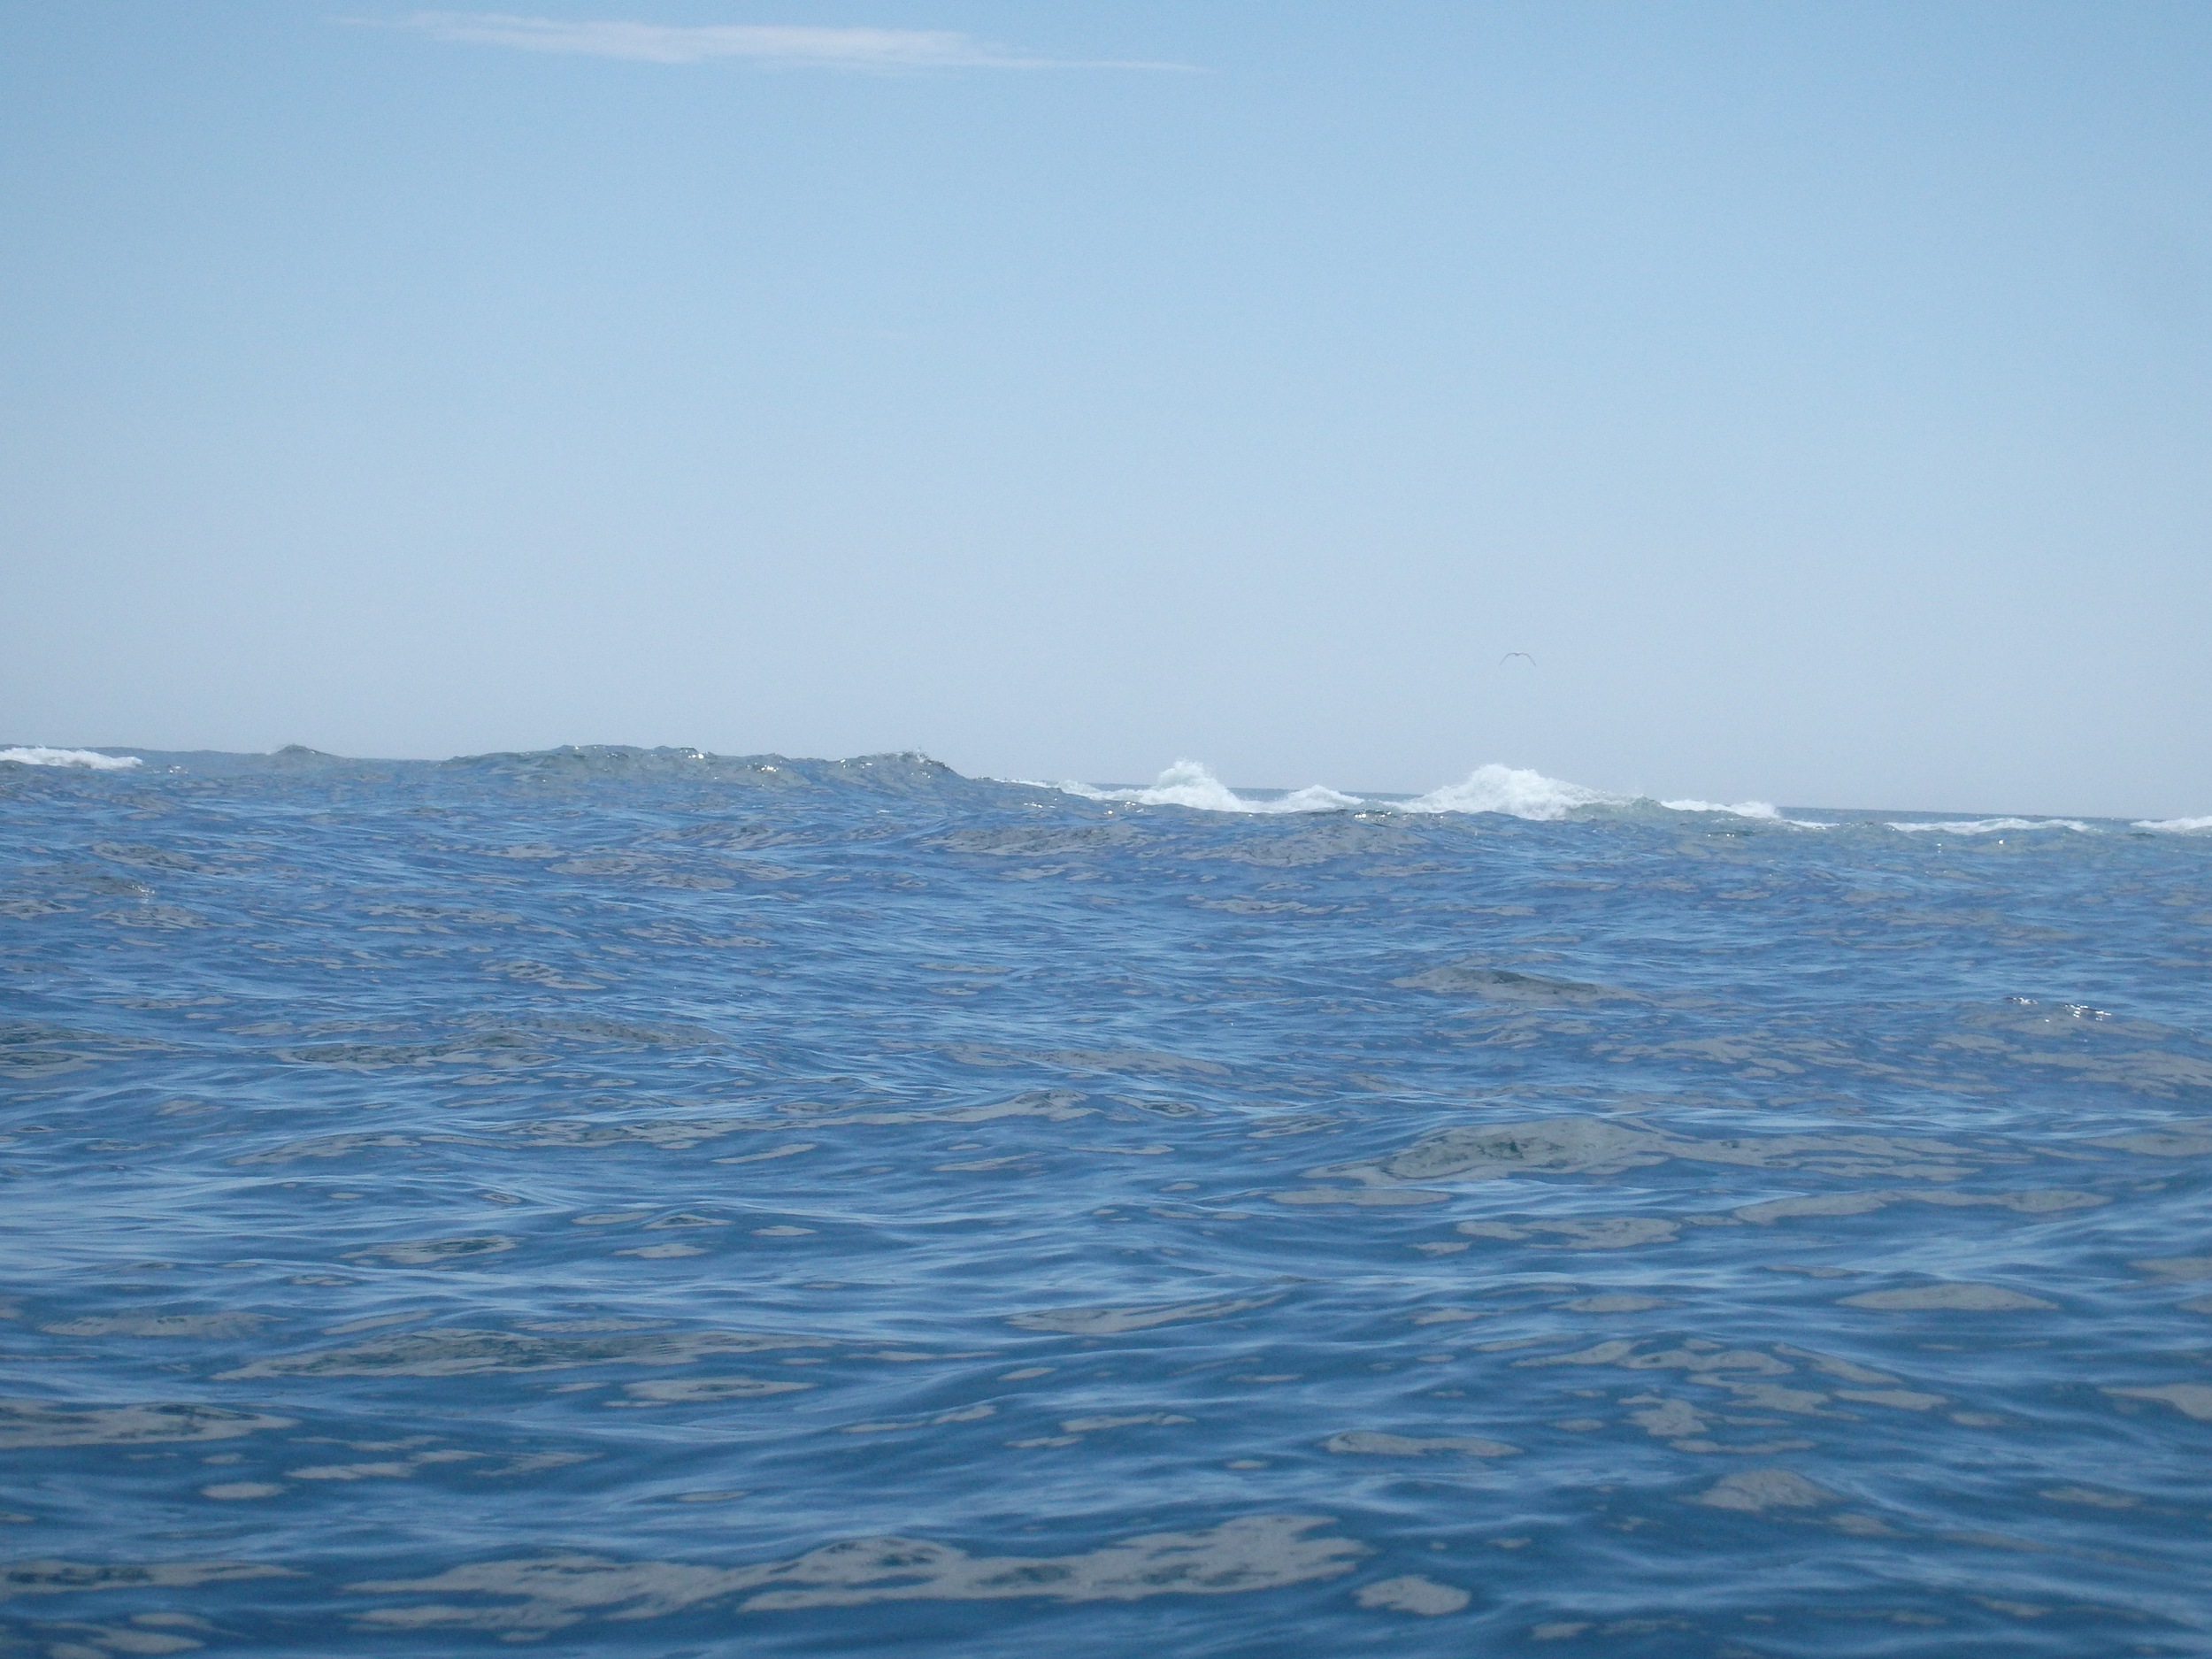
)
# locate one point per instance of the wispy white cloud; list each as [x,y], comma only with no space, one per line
[788,45]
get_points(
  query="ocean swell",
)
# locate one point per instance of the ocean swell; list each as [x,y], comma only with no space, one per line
[1497,789]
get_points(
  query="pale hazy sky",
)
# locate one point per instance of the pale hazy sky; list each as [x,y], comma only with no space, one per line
[1820,393]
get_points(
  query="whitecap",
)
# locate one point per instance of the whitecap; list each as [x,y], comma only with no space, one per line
[2171,825]
[1511,791]
[90,759]
[1765,812]
[1521,792]
[1187,783]
[1990,825]
[1515,791]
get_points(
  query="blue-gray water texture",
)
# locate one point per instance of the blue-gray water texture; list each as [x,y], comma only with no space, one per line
[622,1202]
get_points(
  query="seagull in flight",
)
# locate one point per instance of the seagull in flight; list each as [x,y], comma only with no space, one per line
[1510,655]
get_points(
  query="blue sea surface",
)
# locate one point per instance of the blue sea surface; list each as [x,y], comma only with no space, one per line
[639,1202]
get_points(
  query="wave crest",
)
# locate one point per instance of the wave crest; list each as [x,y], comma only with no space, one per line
[90,759]
[1187,783]
[1516,791]
[1990,825]
[1513,791]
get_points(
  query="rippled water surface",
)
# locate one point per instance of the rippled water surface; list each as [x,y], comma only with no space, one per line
[637,1203]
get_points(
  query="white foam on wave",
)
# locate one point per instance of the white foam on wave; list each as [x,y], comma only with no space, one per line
[1992,826]
[2174,825]
[1740,808]
[1189,783]
[1514,791]
[1765,811]
[90,759]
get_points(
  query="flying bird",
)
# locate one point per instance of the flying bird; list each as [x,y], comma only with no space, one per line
[1510,655]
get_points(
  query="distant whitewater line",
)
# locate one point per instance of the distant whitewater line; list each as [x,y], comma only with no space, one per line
[1997,825]
[1516,792]
[1511,791]
[1522,793]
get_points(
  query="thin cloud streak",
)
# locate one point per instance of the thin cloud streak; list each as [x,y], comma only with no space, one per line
[799,46]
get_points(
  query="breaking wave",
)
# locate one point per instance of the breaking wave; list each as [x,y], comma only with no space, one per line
[1513,791]
[1189,783]
[90,759]
[1990,826]
[2174,825]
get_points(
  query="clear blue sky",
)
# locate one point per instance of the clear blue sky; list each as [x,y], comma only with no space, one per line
[1820,393]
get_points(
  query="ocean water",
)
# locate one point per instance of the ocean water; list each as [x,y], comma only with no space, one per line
[639,1202]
